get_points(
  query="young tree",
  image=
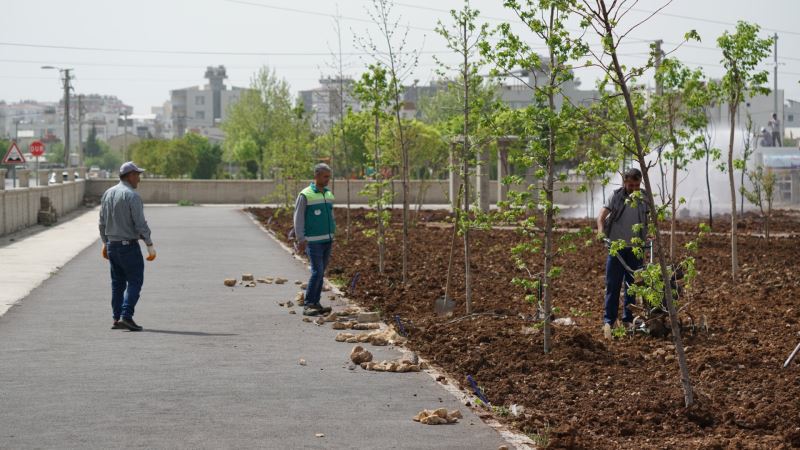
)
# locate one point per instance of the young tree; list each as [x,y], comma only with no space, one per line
[762,195]
[550,124]
[742,52]
[399,62]
[180,159]
[464,37]
[605,21]
[706,144]
[374,92]
[749,145]
[679,109]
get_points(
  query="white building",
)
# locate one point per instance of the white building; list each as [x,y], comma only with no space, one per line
[201,109]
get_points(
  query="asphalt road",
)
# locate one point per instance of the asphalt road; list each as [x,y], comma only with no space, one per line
[215,367]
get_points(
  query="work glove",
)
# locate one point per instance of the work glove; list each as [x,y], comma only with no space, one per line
[105,252]
[151,252]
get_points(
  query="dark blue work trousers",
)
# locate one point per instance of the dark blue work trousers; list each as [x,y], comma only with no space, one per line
[127,277]
[616,277]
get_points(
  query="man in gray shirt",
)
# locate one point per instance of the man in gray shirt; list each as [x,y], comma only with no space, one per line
[122,224]
[617,220]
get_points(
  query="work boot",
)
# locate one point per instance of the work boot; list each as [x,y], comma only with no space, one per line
[607,331]
[130,324]
[118,326]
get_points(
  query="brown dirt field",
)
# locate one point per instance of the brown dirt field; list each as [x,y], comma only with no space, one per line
[589,392]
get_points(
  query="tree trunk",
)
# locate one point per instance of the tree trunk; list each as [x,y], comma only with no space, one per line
[733,106]
[547,290]
[665,276]
[379,196]
[672,239]
[465,156]
[708,189]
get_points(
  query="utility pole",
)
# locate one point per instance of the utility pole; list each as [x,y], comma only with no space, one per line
[775,82]
[125,136]
[80,130]
[66,116]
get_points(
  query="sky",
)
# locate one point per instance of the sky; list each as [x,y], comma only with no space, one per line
[139,51]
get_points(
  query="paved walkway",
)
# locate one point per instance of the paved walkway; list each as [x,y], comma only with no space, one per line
[215,367]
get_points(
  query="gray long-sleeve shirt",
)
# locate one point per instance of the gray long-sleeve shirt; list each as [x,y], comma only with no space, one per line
[122,215]
[300,218]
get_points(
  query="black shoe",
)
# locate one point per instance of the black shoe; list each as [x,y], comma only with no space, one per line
[320,308]
[312,311]
[130,324]
[118,326]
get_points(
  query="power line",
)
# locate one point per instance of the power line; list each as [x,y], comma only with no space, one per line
[178,52]
[718,22]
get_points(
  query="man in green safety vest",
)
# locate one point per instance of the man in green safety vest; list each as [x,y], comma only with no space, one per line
[314,228]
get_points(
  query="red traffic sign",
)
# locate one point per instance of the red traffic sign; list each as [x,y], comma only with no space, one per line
[13,155]
[36,148]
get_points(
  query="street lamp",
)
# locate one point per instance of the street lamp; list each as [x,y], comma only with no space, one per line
[67,87]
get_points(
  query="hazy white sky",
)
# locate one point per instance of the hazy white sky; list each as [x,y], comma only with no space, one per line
[140,50]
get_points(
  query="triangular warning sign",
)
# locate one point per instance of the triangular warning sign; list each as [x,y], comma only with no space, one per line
[13,156]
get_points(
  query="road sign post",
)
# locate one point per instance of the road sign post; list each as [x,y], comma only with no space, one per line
[37,149]
[13,157]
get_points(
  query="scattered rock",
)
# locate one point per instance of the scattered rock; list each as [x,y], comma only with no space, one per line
[280,280]
[358,355]
[441,379]
[304,286]
[378,341]
[565,321]
[298,282]
[250,284]
[289,304]
[502,447]
[438,416]
[368,317]
[320,435]
[302,362]
[300,297]
[306,319]
[281,304]
[247,277]
[230,282]
[366,326]
[390,366]
[411,357]
[339,326]
[352,367]
[291,311]
[424,366]
[264,280]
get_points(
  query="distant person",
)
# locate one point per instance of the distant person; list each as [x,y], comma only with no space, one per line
[122,224]
[314,228]
[775,130]
[766,138]
[616,222]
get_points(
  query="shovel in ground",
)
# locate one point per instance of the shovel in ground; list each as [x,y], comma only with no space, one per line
[444,306]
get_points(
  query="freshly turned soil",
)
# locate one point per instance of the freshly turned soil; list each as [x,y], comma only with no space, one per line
[589,392]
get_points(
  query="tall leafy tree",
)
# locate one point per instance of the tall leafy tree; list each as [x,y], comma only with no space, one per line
[92,147]
[742,52]
[260,123]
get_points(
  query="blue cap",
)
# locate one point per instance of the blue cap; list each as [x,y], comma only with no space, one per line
[129,167]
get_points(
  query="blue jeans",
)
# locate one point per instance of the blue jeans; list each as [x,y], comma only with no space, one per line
[319,256]
[127,277]
[616,275]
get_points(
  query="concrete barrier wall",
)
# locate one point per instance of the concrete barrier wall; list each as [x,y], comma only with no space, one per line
[258,191]
[19,208]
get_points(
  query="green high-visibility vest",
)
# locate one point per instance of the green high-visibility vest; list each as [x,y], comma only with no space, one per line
[320,225]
